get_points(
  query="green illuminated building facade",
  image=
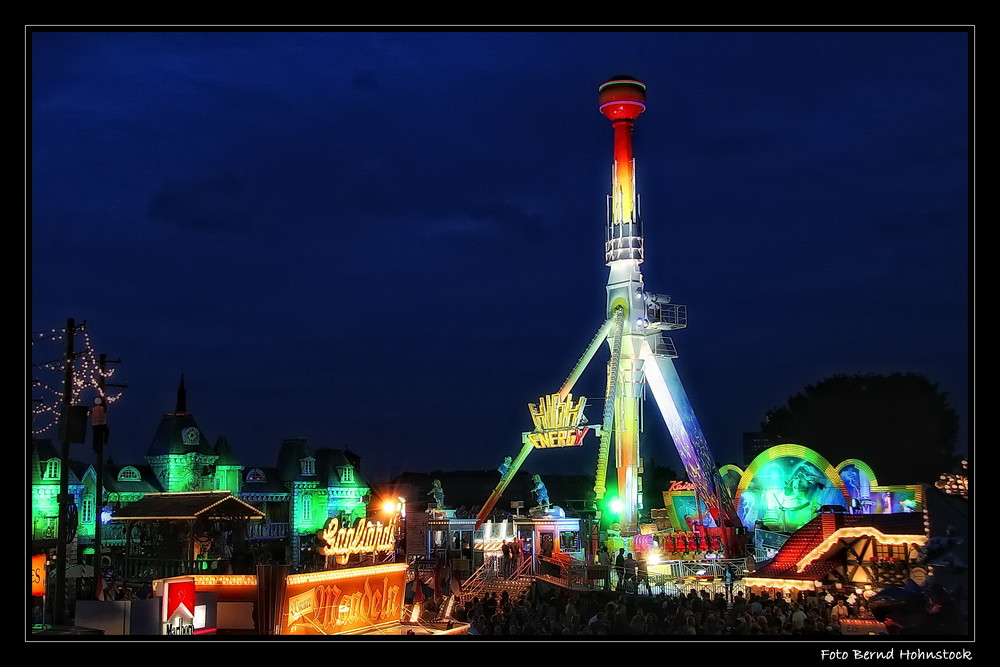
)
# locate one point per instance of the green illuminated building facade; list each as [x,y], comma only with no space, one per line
[297,495]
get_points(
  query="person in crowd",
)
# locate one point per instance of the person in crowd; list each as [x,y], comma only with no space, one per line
[637,626]
[631,568]
[603,556]
[620,623]
[798,617]
[642,575]
[519,550]
[839,612]
[620,569]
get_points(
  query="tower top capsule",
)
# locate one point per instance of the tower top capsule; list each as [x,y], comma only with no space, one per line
[622,98]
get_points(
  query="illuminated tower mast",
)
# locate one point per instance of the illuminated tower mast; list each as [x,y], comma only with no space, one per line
[622,99]
[640,354]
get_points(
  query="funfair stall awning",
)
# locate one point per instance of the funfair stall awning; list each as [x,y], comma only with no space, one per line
[211,505]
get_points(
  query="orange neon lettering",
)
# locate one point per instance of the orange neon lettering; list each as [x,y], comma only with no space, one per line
[361,538]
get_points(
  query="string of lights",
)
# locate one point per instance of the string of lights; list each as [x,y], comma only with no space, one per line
[955,484]
[47,376]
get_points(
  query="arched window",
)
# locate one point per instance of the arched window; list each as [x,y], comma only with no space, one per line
[346,475]
[87,509]
[52,469]
[128,474]
[307,510]
[256,475]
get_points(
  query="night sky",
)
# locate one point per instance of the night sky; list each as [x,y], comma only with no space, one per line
[393,241]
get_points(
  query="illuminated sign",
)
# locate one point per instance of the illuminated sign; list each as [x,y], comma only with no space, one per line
[178,606]
[678,485]
[858,626]
[557,421]
[362,538]
[38,574]
[343,601]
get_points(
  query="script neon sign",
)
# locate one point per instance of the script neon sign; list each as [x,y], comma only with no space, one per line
[361,538]
[677,485]
[333,603]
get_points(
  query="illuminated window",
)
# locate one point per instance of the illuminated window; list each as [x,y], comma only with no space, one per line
[308,466]
[48,528]
[891,551]
[51,470]
[346,475]
[128,474]
[307,510]
[256,475]
[87,509]
[569,539]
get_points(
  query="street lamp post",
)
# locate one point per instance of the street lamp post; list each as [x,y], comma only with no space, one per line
[64,498]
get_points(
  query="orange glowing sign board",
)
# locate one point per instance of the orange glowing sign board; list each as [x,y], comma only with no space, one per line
[361,538]
[38,575]
[343,601]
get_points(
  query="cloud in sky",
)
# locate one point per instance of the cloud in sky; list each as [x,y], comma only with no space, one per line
[394,240]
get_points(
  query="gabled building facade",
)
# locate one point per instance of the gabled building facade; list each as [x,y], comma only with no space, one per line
[306,487]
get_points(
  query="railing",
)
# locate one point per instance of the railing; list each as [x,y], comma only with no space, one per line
[663,346]
[141,568]
[490,575]
[422,565]
[670,578]
[485,571]
[113,533]
[569,571]
[524,569]
[666,315]
[257,530]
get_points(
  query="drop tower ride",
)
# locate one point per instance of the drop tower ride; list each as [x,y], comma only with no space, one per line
[640,355]
[640,352]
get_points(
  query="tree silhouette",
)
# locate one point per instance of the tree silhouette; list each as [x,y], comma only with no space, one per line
[655,480]
[900,424]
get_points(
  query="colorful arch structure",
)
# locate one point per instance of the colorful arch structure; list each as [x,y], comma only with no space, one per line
[786,485]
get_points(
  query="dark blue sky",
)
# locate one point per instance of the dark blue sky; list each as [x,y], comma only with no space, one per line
[393,241]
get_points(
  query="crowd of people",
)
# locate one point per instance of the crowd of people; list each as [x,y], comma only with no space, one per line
[574,613]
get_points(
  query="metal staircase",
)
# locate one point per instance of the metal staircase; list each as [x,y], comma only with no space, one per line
[489,578]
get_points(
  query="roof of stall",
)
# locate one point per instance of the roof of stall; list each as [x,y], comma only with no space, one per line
[193,505]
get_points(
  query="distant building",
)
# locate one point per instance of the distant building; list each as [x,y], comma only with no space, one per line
[297,495]
[753,444]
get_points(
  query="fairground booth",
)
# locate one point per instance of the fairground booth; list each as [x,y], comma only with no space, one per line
[360,590]
[820,527]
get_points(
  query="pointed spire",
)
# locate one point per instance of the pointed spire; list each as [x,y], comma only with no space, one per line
[181,397]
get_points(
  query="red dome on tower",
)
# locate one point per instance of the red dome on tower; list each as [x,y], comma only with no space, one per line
[622,97]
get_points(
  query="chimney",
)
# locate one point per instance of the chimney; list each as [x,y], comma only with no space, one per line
[181,398]
[830,522]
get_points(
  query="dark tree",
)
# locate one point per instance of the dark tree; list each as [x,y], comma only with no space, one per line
[655,480]
[899,424]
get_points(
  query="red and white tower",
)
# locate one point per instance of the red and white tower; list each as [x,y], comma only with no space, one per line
[641,355]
